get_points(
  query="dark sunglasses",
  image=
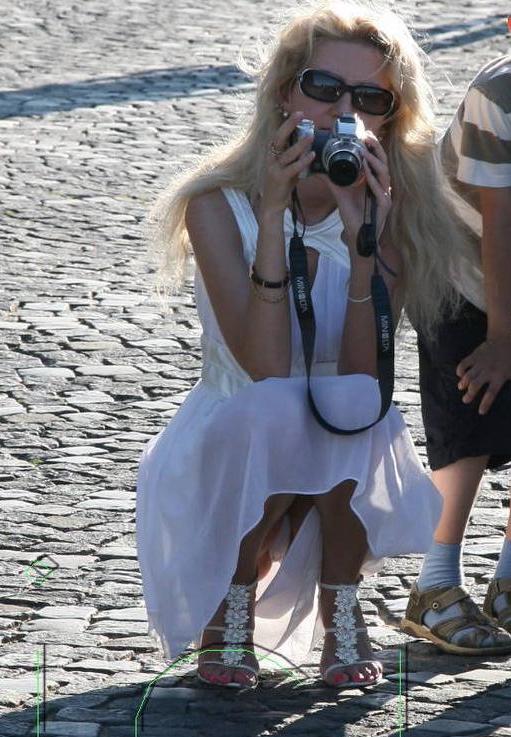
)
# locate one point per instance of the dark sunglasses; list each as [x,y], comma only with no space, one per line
[326,87]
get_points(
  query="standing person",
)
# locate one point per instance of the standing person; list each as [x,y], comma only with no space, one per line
[243,469]
[465,375]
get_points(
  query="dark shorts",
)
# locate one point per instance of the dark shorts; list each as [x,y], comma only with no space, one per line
[455,430]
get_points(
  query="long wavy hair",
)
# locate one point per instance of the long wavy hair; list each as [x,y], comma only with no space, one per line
[422,223]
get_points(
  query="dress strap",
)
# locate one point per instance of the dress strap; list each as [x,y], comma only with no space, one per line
[246,220]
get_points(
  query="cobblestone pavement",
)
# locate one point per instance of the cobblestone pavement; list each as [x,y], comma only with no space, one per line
[99,102]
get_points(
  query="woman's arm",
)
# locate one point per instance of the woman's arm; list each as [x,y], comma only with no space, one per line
[256,331]
[357,354]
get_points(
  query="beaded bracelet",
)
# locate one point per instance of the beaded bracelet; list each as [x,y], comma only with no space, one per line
[272,300]
[268,284]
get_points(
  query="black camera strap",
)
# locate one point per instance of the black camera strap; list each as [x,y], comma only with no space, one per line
[366,246]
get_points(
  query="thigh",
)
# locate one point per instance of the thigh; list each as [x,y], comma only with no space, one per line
[338,496]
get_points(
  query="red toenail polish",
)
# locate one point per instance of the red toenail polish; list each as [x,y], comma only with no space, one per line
[340,678]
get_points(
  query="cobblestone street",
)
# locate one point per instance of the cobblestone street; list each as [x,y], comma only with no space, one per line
[99,104]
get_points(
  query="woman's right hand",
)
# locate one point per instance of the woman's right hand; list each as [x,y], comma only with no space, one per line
[283,169]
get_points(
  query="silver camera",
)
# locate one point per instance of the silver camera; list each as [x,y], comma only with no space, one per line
[339,152]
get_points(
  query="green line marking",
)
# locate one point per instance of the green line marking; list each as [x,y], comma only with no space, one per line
[400,695]
[34,570]
[186,658]
[38,695]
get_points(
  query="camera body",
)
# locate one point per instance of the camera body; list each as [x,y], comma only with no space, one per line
[339,152]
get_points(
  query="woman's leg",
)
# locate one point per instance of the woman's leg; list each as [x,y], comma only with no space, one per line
[246,571]
[344,549]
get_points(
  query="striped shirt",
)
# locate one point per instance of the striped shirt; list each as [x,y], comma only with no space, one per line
[476,152]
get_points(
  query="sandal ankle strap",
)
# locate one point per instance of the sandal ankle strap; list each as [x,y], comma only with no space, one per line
[236,618]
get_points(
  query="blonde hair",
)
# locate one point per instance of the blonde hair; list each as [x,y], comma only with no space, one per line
[422,222]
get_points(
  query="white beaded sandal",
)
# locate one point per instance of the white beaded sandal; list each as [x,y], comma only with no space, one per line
[235,637]
[348,636]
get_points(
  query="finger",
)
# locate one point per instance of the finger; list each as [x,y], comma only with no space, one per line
[382,195]
[372,142]
[472,391]
[303,162]
[295,151]
[489,397]
[473,374]
[281,137]
[465,364]
[380,168]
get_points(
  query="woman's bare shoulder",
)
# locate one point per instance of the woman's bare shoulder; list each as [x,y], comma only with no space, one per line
[210,219]
[206,204]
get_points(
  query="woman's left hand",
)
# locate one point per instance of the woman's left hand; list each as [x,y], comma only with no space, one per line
[351,200]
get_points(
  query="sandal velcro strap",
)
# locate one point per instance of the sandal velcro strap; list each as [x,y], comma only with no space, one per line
[498,586]
[446,630]
[439,600]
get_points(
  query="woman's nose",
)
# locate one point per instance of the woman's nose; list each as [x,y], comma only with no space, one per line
[343,104]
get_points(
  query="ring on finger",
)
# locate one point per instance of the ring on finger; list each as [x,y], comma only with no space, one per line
[275,152]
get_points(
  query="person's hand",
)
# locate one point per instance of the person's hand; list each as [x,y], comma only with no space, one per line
[284,164]
[351,200]
[489,364]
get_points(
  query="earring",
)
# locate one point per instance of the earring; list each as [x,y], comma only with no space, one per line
[283,113]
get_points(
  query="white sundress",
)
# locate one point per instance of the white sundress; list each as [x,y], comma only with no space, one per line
[204,479]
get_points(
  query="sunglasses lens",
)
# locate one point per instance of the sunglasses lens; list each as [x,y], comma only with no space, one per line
[372,100]
[320,86]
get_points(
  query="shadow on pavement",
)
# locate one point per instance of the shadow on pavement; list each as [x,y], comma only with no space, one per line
[154,84]
[463,34]
[288,707]
[169,84]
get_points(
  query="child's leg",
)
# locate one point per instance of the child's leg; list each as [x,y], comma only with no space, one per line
[503,572]
[442,566]
[458,485]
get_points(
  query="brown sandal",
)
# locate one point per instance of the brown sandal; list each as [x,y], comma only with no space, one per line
[441,634]
[503,618]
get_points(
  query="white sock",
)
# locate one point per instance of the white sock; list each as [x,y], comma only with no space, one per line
[503,570]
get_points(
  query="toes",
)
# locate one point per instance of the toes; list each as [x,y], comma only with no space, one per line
[365,673]
[215,674]
[244,678]
[339,678]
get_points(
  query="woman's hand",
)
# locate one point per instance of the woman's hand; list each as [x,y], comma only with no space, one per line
[283,166]
[351,200]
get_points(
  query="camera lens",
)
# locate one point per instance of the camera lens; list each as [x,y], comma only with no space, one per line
[343,168]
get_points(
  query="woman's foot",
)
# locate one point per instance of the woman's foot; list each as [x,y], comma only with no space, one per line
[231,660]
[347,659]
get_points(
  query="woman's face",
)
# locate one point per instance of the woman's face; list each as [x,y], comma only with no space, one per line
[355,63]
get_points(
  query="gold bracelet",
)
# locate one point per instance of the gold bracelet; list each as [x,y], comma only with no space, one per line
[266,299]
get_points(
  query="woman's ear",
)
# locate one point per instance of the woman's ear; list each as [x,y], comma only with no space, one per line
[281,108]
[283,102]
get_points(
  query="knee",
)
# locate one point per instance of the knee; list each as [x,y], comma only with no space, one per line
[335,502]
